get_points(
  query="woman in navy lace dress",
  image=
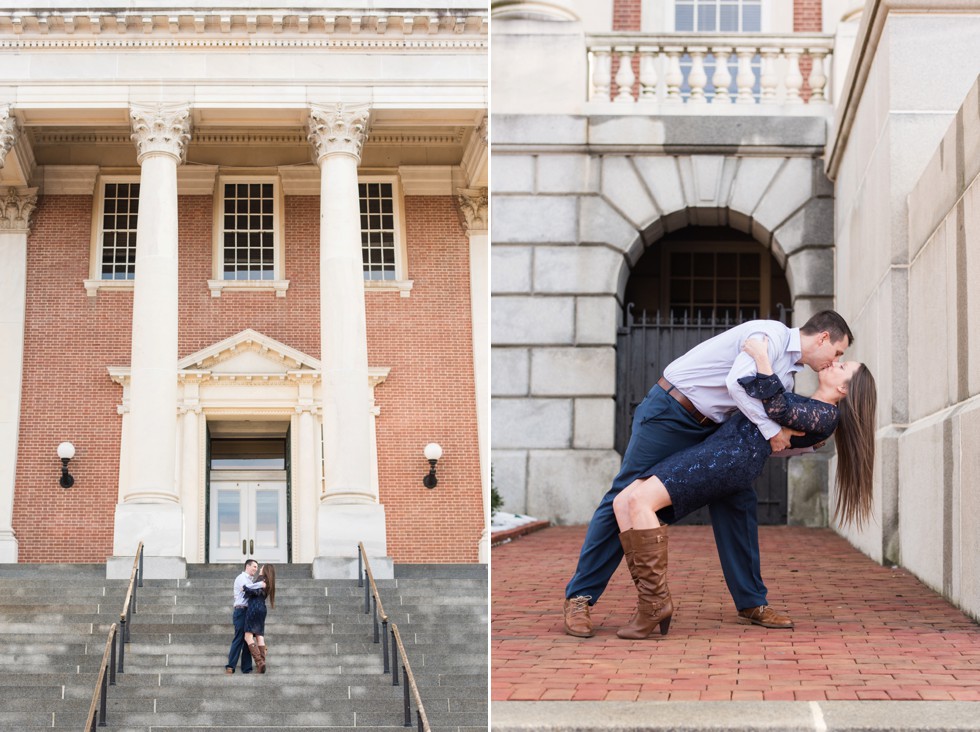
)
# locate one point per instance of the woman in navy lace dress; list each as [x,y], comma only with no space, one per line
[732,458]
[257,593]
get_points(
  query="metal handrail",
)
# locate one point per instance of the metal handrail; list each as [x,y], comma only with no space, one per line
[371,590]
[102,682]
[120,634]
[410,685]
[129,604]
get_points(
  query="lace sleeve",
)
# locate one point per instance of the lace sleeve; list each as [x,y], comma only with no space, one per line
[818,419]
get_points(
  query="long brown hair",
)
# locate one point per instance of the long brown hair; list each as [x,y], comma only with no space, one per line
[269,572]
[855,440]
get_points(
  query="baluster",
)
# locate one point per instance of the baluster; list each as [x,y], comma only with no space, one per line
[769,80]
[697,78]
[648,73]
[817,78]
[722,77]
[624,75]
[794,79]
[674,77]
[601,73]
[745,79]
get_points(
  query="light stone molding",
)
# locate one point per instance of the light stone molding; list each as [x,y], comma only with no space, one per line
[9,132]
[426,180]
[196,180]
[92,287]
[475,157]
[483,130]
[299,180]
[160,129]
[473,204]
[402,287]
[290,137]
[277,286]
[220,27]
[16,207]
[68,180]
[338,129]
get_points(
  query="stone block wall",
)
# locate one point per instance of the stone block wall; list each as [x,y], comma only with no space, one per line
[905,167]
[569,224]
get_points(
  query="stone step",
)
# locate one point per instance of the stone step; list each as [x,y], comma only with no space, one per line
[234,688]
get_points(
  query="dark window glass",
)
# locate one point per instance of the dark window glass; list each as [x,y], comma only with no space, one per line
[119,230]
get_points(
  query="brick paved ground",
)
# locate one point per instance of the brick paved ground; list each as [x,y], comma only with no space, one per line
[863,631]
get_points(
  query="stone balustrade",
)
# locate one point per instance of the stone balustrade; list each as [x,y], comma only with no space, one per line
[726,74]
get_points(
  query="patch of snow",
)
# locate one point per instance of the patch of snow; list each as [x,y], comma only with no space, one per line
[503,521]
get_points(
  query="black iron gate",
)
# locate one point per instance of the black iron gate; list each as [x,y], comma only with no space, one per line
[644,347]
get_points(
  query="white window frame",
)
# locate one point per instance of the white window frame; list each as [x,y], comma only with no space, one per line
[401,283]
[277,284]
[766,20]
[94,283]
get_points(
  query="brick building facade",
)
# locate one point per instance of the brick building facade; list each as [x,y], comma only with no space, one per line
[247,321]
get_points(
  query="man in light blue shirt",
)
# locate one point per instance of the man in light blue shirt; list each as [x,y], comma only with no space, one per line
[238,649]
[698,391]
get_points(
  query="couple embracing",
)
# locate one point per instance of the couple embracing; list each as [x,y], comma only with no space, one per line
[251,593]
[700,438]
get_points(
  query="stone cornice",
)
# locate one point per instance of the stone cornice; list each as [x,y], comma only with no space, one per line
[16,207]
[160,129]
[338,129]
[8,132]
[291,136]
[274,27]
[473,204]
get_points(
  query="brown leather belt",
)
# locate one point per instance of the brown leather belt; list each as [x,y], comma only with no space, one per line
[683,401]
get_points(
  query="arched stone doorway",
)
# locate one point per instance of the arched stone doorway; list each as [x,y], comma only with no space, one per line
[687,287]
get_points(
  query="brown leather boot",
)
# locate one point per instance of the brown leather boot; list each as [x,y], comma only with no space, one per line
[263,650]
[577,619]
[253,648]
[626,539]
[654,606]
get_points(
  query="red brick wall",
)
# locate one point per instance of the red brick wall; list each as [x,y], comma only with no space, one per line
[626,17]
[807,18]
[71,339]
[429,395]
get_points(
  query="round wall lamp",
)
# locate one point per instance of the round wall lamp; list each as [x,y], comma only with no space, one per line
[432,453]
[66,451]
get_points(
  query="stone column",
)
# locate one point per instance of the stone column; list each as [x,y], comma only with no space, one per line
[16,207]
[349,510]
[150,509]
[473,203]
[190,489]
[305,491]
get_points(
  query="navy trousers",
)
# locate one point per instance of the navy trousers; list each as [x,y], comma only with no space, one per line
[238,647]
[661,427]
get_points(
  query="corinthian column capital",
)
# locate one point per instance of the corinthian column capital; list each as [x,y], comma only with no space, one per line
[8,131]
[473,204]
[16,207]
[338,129]
[160,129]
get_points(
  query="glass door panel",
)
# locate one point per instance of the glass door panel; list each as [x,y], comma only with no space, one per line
[248,519]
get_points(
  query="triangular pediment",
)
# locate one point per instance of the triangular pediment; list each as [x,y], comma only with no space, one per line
[250,353]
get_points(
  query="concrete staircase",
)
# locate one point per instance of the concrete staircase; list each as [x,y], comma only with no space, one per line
[324,670]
